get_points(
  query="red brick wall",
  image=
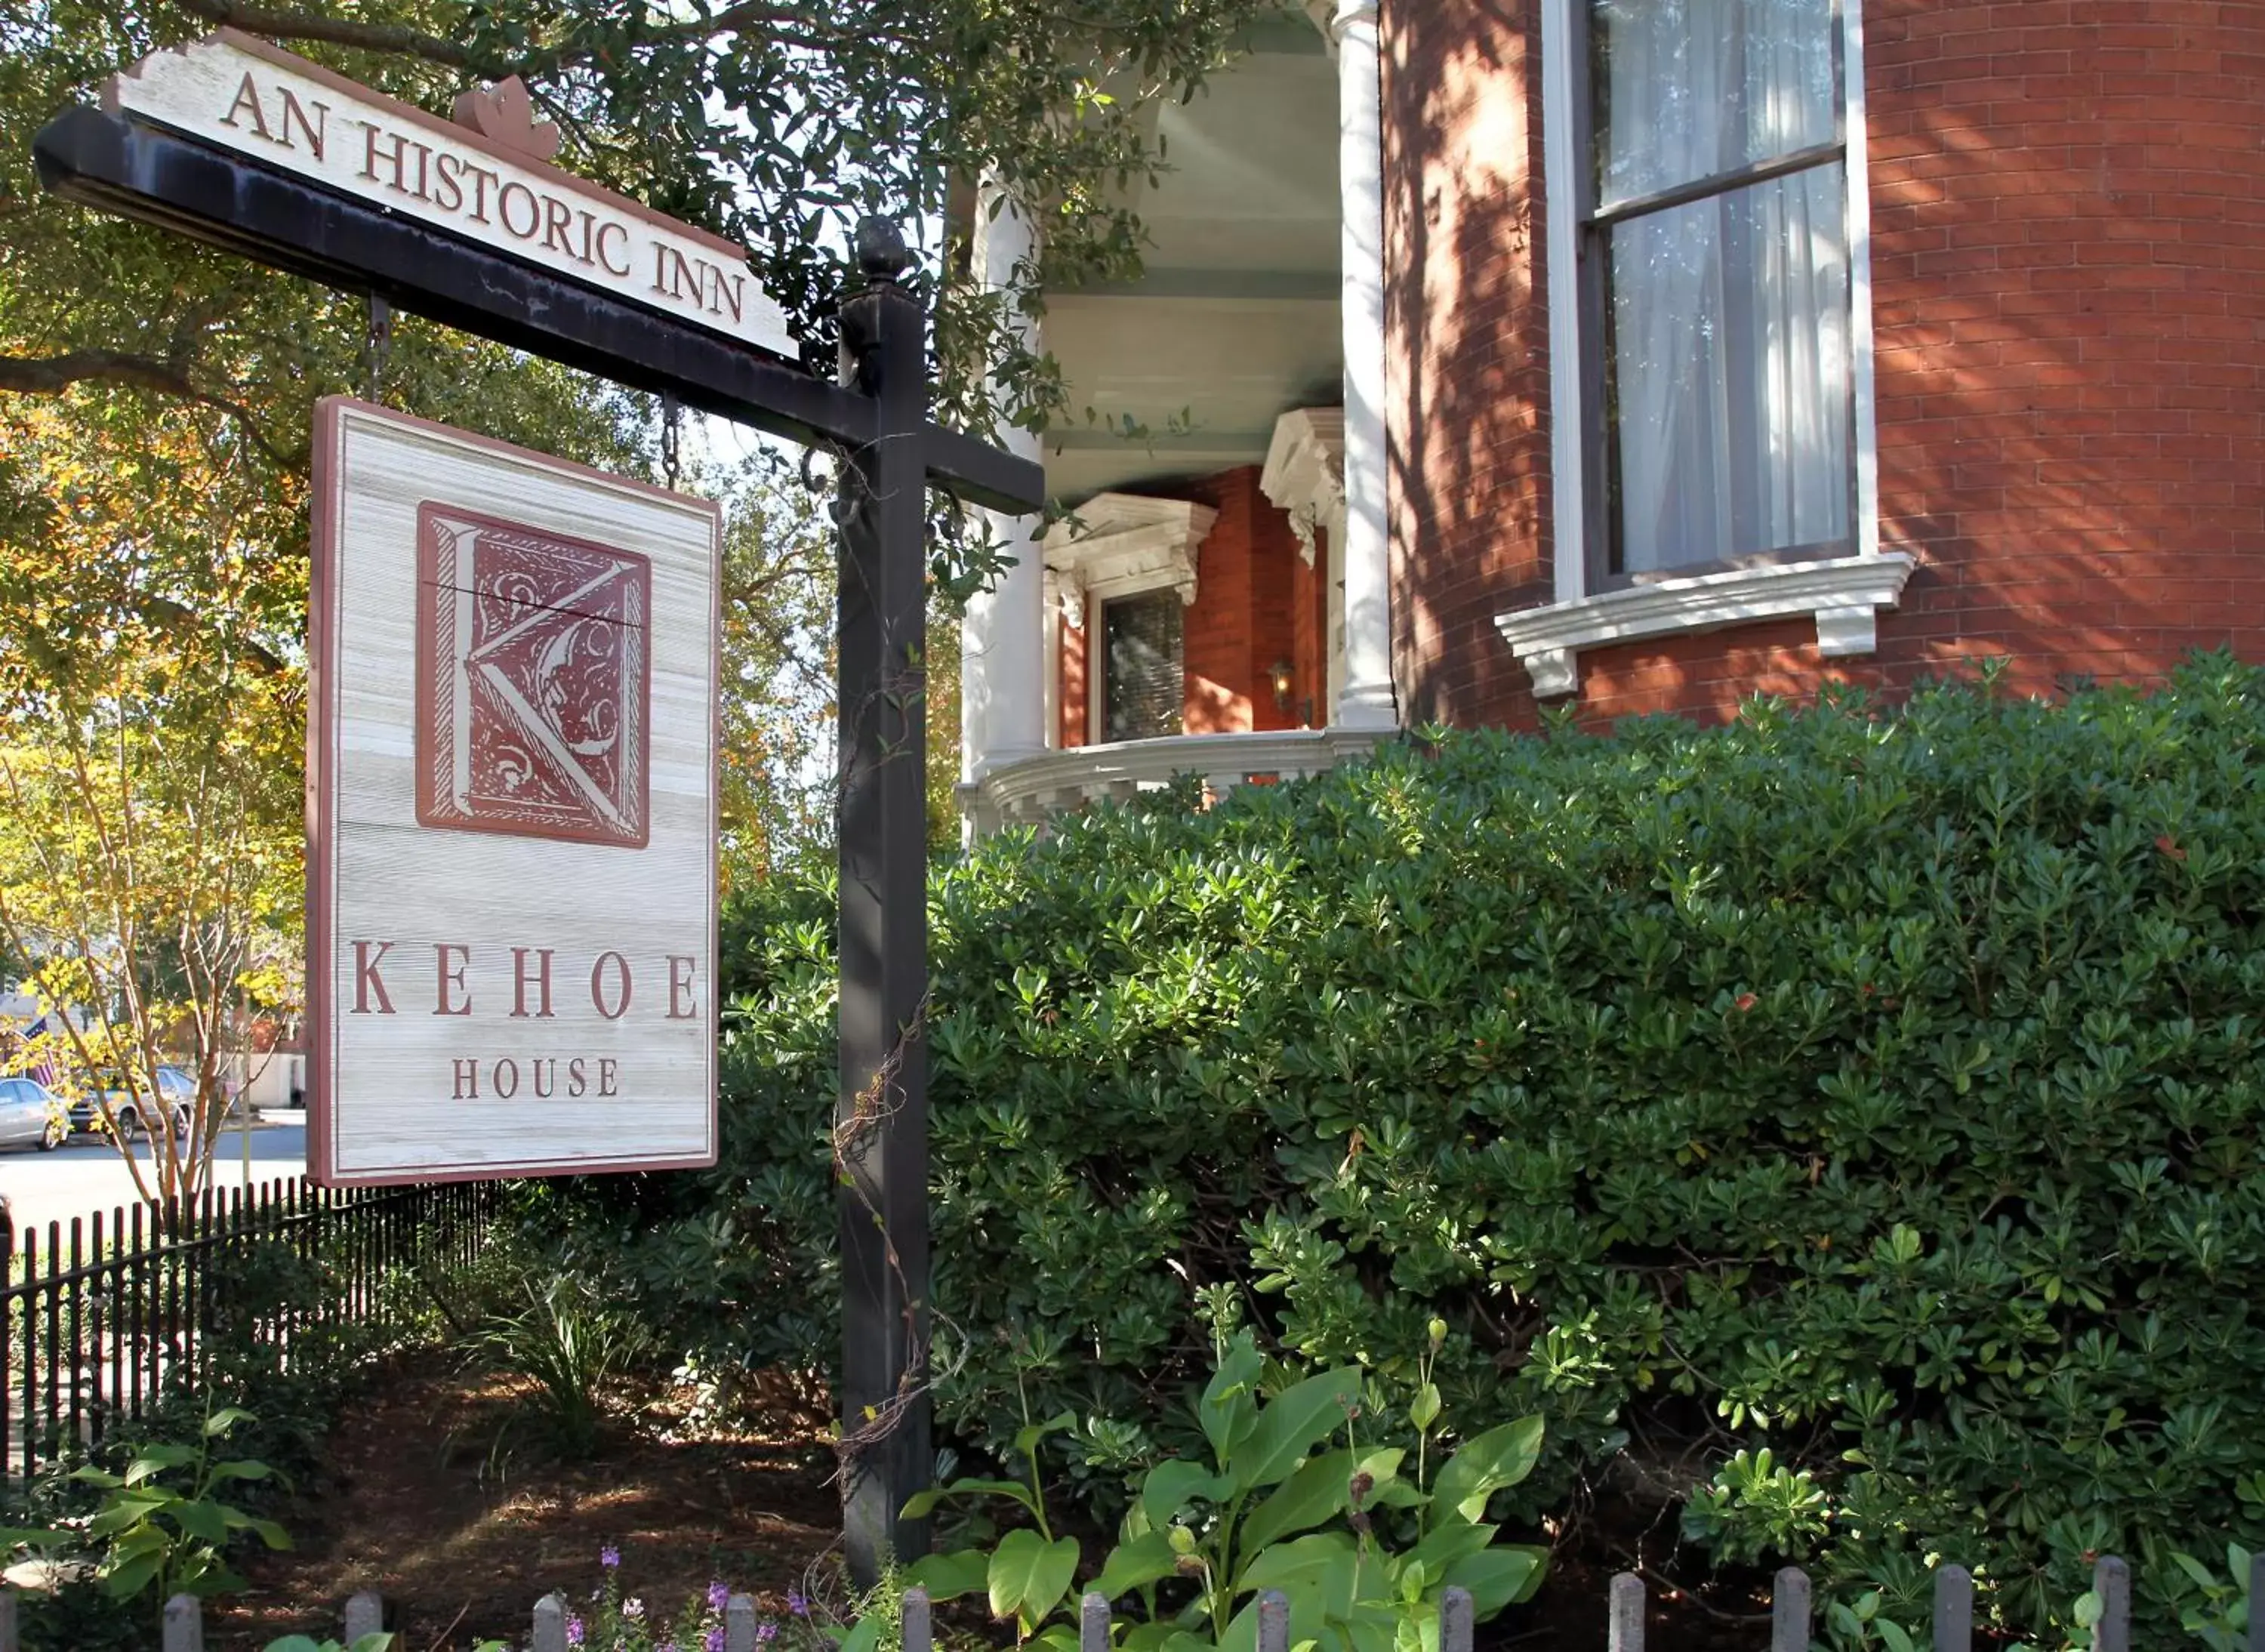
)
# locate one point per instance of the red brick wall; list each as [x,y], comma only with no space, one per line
[1073,703]
[1245,617]
[1309,630]
[1467,372]
[2068,261]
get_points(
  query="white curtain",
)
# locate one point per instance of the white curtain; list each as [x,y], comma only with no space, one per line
[1729,361]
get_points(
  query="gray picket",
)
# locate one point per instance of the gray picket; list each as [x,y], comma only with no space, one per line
[1093,1623]
[551,1624]
[1455,1620]
[184,1625]
[365,1615]
[739,1620]
[2111,1581]
[1628,1614]
[1273,1621]
[8,1639]
[915,1626]
[2256,1642]
[1954,1609]
[1789,1612]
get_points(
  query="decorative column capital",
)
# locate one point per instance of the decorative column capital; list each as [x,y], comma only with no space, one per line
[1305,471]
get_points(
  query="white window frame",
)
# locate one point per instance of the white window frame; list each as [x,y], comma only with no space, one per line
[1115,545]
[1844,592]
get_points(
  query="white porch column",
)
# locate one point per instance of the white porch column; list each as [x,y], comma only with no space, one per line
[1002,665]
[1367,700]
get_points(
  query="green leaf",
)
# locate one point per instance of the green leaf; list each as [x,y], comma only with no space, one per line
[1320,1490]
[1229,1402]
[222,1421]
[1026,1439]
[1296,1565]
[1291,1425]
[125,1580]
[1423,1411]
[205,1520]
[949,1576]
[242,1469]
[1495,1578]
[1135,1564]
[864,1635]
[1170,1485]
[155,1460]
[1500,1457]
[1029,1575]
[923,1503]
[1893,1637]
[271,1534]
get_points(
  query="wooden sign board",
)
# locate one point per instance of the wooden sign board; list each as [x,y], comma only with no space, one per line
[485,178]
[511,811]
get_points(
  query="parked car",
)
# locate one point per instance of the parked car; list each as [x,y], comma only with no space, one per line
[31,1115]
[174,1087]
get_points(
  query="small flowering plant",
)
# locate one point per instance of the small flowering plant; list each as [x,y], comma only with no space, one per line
[613,1620]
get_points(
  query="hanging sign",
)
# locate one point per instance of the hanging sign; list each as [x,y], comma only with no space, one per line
[486,176]
[512,810]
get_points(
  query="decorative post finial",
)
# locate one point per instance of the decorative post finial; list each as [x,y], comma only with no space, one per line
[505,114]
[882,255]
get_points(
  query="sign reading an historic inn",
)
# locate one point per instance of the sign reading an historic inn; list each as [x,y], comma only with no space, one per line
[511,811]
[486,178]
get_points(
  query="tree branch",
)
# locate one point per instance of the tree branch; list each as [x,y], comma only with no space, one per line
[51,375]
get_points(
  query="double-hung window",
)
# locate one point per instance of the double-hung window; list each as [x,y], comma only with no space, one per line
[1713,358]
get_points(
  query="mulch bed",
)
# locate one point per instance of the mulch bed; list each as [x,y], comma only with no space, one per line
[444,1498]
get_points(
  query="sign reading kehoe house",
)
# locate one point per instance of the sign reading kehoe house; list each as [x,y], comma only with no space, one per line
[511,762]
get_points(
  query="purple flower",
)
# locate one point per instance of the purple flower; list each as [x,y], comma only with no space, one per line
[797,1603]
[667,1646]
[573,1632]
[713,1640]
[719,1595]
[609,1557]
[765,1632]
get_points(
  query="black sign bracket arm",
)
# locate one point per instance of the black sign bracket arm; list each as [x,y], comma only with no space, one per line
[125,167]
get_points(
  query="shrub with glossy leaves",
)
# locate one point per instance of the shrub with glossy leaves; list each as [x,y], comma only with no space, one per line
[1860,1105]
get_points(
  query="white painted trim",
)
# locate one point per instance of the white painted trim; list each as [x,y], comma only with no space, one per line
[1561,158]
[1029,790]
[1859,169]
[1122,544]
[1560,161]
[1843,593]
[1304,476]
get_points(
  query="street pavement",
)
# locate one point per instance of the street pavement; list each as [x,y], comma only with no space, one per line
[87,1176]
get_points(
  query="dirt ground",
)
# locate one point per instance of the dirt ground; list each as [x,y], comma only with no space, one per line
[448,1505]
[445,1501]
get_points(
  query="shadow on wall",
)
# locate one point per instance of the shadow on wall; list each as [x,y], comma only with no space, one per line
[2068,263]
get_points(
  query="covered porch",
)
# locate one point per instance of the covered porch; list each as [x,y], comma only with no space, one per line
[1216,604]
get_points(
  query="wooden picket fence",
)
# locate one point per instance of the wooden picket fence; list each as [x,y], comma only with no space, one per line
[1790,1616]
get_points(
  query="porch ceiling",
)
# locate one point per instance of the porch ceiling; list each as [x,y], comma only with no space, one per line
[1236,320]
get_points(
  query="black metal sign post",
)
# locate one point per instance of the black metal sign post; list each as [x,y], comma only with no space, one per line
[879,416]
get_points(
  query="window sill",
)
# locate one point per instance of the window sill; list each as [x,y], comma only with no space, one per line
[1844,594]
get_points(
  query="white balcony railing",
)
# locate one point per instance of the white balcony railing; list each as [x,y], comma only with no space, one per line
[1026,792]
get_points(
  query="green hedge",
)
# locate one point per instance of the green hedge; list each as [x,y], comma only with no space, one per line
[1882,1087]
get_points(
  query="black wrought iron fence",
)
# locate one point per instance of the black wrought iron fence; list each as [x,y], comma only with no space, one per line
[105,1316]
